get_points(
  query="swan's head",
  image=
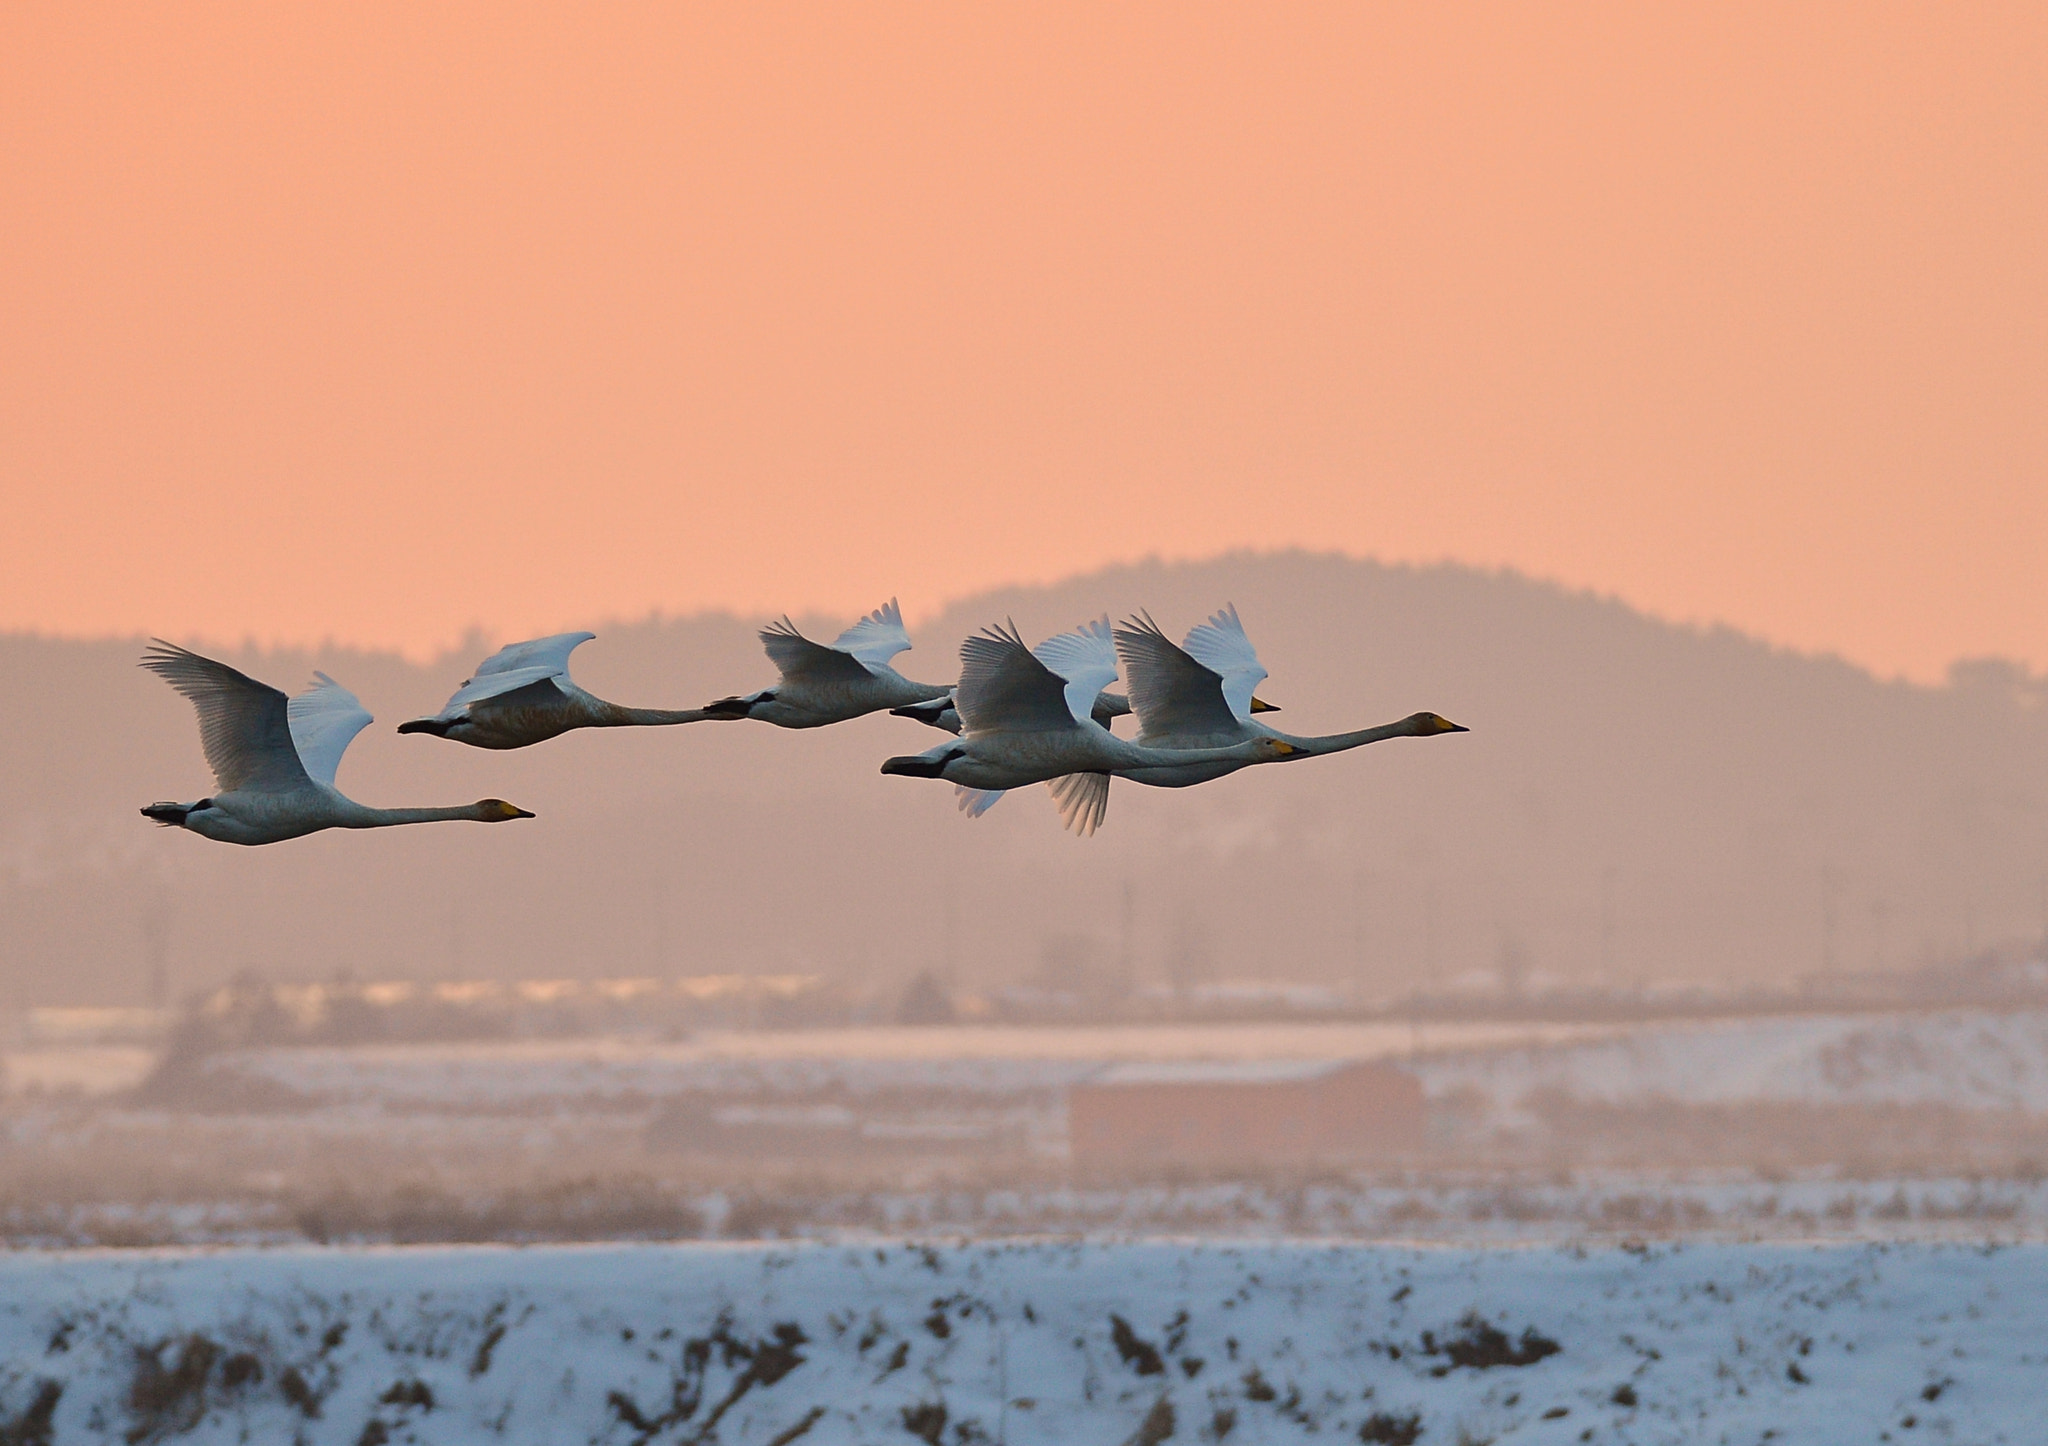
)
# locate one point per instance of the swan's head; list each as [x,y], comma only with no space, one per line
[1260,705]
[496,810]
[1275,750]
[1428,725]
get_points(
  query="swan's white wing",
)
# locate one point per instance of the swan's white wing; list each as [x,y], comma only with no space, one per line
[1083,800]
[974,802]
[1086,658]
[1171,692]
[549,653]
[876,638]
[324,720]
[797,657]
[515,666]
[1003,688]
[495,685]
[1220,645]
[242,723]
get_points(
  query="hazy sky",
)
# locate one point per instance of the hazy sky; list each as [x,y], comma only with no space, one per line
[377,321]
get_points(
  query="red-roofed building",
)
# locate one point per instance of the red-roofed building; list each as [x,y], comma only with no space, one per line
[1266,1112]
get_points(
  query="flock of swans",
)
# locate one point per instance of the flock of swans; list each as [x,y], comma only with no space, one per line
[1020,716]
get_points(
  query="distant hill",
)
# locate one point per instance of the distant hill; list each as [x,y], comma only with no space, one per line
[1652,801]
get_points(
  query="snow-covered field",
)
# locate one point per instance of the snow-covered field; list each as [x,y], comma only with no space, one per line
[967,1059]
[1027,1343]
[1970,1059]
[1908,1126]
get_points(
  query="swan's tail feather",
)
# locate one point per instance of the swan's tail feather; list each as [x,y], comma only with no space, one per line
[974,802]
[1083,800]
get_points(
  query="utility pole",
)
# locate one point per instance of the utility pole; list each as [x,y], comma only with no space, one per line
[1827,920]
[156,949]
[1127,944]
[452,960]
[1607,927]
[949,942]
[1359,972]
[657,934]
[1429,933]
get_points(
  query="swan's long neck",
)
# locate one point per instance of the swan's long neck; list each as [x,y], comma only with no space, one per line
[359,816]
[1339,742]
[611,715]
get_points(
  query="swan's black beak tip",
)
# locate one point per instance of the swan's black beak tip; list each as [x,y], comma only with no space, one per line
[916,765]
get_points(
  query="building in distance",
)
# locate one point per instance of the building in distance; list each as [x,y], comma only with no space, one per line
[1246,1113]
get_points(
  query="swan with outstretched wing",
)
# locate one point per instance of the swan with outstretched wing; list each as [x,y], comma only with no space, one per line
[821,684]
[1203,695]
[274,758]
[522,694]
[1026,717]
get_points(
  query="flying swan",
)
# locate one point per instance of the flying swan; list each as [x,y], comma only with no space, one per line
[523,694]
[822,685]
[1201,697]
[274,758]
[1026,718]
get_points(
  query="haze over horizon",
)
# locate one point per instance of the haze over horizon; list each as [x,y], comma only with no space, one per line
[821,620]
[1635,802]
[377,324]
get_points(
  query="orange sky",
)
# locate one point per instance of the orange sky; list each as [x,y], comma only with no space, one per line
[377,321]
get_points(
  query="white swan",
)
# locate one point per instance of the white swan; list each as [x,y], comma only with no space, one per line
[974,802]
[1202,696]
[274,758]
[944,714]
[1026,716]
[822,685]
[523,694]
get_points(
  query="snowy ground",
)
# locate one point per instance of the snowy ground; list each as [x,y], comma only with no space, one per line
[975,1060]
[1593,1207]
[1027,1343]
[1849,1127]
[1970,1059]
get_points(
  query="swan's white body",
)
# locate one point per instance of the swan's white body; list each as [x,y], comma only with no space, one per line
[275,758]
[522,694]
[1026,717]
[821,685]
